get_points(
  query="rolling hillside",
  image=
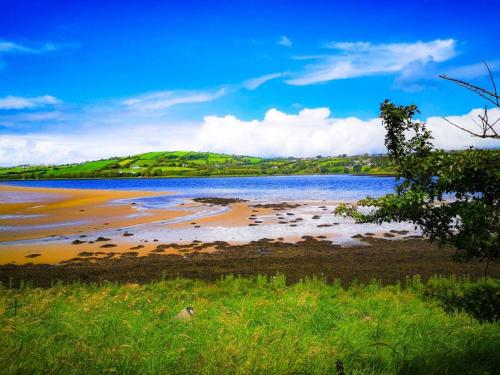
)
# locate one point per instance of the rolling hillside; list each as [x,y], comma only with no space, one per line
[190,164]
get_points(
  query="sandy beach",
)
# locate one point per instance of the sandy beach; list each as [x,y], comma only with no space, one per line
[96,235]
[62,212]
[54,225]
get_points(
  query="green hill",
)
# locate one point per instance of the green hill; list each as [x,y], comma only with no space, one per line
[190,164]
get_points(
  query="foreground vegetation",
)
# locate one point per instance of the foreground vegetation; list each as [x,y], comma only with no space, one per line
[190,164]
[257,325]
[453,197]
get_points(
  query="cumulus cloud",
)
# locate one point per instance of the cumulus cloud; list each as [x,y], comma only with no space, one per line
[284,41]
[313,131]
[305,134]
[358,59]
[165,99]
[20,102]
[91,143]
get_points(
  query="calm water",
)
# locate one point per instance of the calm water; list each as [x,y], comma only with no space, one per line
[324,187]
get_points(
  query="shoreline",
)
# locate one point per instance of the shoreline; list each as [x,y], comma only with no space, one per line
[58,228]
[73,221]
[211,176]
[295,239]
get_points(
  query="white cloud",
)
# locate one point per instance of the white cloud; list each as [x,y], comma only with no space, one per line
[164,99]
[472,71]
[12,47]
[284,41]
[253,83]
[6,46]
[91,143]
[9,47]
[359,59]
[448,137]
[19,102]
[313,131]
[419,75]
[307,133]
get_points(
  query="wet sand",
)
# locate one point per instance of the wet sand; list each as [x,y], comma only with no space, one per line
[72,211]
[69,235]
[43,226]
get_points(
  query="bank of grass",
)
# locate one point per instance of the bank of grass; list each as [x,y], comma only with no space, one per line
[244,325]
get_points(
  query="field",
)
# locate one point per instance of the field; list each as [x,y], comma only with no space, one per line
[189,164]
[246,325]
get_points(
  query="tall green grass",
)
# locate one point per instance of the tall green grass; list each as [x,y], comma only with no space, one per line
[242,325]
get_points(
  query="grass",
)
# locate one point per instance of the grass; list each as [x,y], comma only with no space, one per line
[200,164]
[80,168]
[241,325]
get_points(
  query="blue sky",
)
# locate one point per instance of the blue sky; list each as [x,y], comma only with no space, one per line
[195,71]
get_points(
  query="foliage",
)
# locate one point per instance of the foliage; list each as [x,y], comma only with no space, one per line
[240,325]
[189,164]
[452,196]
[481,300]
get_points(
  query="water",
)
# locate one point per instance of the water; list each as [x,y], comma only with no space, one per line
[272,188]
[322,193]
[25,197]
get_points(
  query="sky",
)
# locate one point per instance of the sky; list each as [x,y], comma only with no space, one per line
[84,80]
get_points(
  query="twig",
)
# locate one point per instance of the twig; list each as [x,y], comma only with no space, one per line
[484,135]
[478,90]
[492,80]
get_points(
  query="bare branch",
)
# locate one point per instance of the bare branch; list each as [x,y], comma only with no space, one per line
[475,122]
[492,80]
[483,135]
[486,122]
[488,95]
[487,128]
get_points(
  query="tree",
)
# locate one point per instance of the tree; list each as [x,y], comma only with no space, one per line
[452,196]
[485,124]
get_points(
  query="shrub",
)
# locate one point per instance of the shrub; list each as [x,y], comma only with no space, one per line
[481,299]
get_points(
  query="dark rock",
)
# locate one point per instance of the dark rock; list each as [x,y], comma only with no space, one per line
[99,239]
[219,201]
[137,247]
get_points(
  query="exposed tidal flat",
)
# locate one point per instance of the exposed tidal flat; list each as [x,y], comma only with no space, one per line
[250,275]
[49,215]
[137,230]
